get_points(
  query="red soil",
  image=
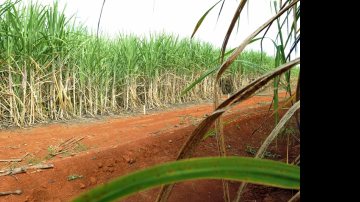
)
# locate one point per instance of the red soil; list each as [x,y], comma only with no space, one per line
[118,146]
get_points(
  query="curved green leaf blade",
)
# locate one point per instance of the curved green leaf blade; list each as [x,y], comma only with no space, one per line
[257,171]
[198,24]
[198,80]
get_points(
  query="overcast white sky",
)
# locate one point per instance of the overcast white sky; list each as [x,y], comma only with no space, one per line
[142,17]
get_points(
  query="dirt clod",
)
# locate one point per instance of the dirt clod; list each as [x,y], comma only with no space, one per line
[93,180]
[128,158]
[110,170]
[82,186]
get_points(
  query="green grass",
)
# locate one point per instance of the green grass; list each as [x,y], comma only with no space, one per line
[52,68]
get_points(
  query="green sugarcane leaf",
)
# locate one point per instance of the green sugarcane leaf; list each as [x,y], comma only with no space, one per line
[198,24]
[257,171]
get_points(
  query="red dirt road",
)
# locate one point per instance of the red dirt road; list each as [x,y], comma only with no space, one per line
[114,147]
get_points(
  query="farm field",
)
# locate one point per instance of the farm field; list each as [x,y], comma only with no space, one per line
[64,71]
[85,116]
[114,147]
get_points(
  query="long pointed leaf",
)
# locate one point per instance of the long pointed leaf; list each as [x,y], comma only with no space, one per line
[198,80]
[202,19]
[222,5]
[242,46]
[257,171]
[231,27]
[248,90]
